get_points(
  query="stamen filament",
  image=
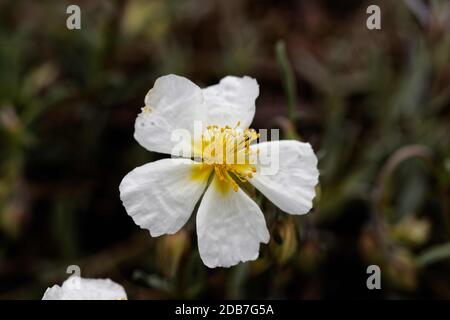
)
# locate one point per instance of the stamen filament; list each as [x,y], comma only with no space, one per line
[228,151]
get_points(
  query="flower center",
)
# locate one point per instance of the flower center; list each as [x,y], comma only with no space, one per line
[227,151]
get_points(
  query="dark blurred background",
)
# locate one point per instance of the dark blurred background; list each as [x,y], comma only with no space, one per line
[374,105]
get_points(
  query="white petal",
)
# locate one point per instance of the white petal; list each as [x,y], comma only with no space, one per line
[76,288]
[291,186]
[173,103]
[161,195]
[232,100]
[230,227]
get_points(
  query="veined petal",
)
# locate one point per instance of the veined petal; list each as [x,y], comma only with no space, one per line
[289,175]
[160,196]
[173,103]
[230,101]
[230,226]
[76,288]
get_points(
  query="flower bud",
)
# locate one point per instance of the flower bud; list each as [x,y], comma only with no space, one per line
[401,270]
[285,241]
[411,231]
[170,250]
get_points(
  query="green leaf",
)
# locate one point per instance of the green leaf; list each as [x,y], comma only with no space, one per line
[434,254]
[289,82]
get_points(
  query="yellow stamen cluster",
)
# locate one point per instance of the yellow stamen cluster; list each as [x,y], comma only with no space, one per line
[228,151]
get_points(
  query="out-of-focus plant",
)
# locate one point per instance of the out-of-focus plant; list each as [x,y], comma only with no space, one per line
[68,101]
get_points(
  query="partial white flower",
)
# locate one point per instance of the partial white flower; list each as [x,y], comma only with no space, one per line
[76,288]
[160,196]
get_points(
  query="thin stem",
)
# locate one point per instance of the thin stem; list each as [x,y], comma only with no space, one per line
[289,82]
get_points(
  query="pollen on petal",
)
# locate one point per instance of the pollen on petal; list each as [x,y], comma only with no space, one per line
[200,172]
[146,109]
[223,186]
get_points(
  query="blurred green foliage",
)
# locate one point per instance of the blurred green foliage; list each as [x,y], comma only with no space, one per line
[374,104]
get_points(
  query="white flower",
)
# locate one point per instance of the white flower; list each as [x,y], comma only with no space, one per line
[76,288]
[160,196]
